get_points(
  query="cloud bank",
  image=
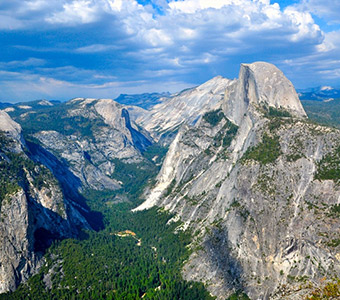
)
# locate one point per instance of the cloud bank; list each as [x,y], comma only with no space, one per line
[100,48]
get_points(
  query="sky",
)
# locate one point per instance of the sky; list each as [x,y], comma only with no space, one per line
[61,49]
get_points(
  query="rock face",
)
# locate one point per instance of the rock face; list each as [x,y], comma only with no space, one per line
[164,119]
[11,129]
[260,83]
[91,134]
[33,209]
[254,182]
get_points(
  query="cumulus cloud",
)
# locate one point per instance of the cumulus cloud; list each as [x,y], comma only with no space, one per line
[305,24]
[80,11]
[89,42]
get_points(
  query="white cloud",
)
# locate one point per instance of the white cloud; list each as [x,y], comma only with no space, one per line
[79,11]
[191,40]
[328,9]
[97,48]
[156,37]
[9,23]
[320,67]
[182,20]
[36,5]
[30,62]
[331,42]
[193,6]
[116,4]
[305,24]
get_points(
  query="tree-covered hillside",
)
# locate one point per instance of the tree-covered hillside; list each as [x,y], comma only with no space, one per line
[327,113]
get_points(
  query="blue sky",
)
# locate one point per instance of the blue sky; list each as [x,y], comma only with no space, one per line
[60,49]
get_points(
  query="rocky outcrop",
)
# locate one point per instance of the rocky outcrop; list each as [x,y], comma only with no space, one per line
[164,119]
[246,180]
[33,209]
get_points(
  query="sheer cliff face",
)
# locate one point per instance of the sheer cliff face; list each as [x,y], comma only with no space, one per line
[33,209]
[247,179]
[12,130]
[260,83]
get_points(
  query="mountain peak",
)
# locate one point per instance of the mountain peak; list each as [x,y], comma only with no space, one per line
[326,88]
[261,83]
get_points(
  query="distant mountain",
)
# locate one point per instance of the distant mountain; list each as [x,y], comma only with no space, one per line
[327,113]
[146,100]
[30,104]
[324,93]
[3,105]
[88,135]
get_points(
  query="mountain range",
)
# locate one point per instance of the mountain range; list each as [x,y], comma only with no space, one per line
[240,167]
[323,93]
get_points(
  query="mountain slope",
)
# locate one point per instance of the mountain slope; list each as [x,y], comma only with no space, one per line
[164,119]
[327,113]
[134,256]
[256,182]
[86,136]
[33,209]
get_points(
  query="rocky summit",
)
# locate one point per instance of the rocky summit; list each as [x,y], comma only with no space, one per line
[257,184]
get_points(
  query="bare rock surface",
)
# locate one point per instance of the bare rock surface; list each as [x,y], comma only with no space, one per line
[260,83]
[10,128]
[165,118]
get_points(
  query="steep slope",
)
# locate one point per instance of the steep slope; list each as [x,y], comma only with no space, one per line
[33,209]
[164,119]
[86,136]
[257,184]
[11,130]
